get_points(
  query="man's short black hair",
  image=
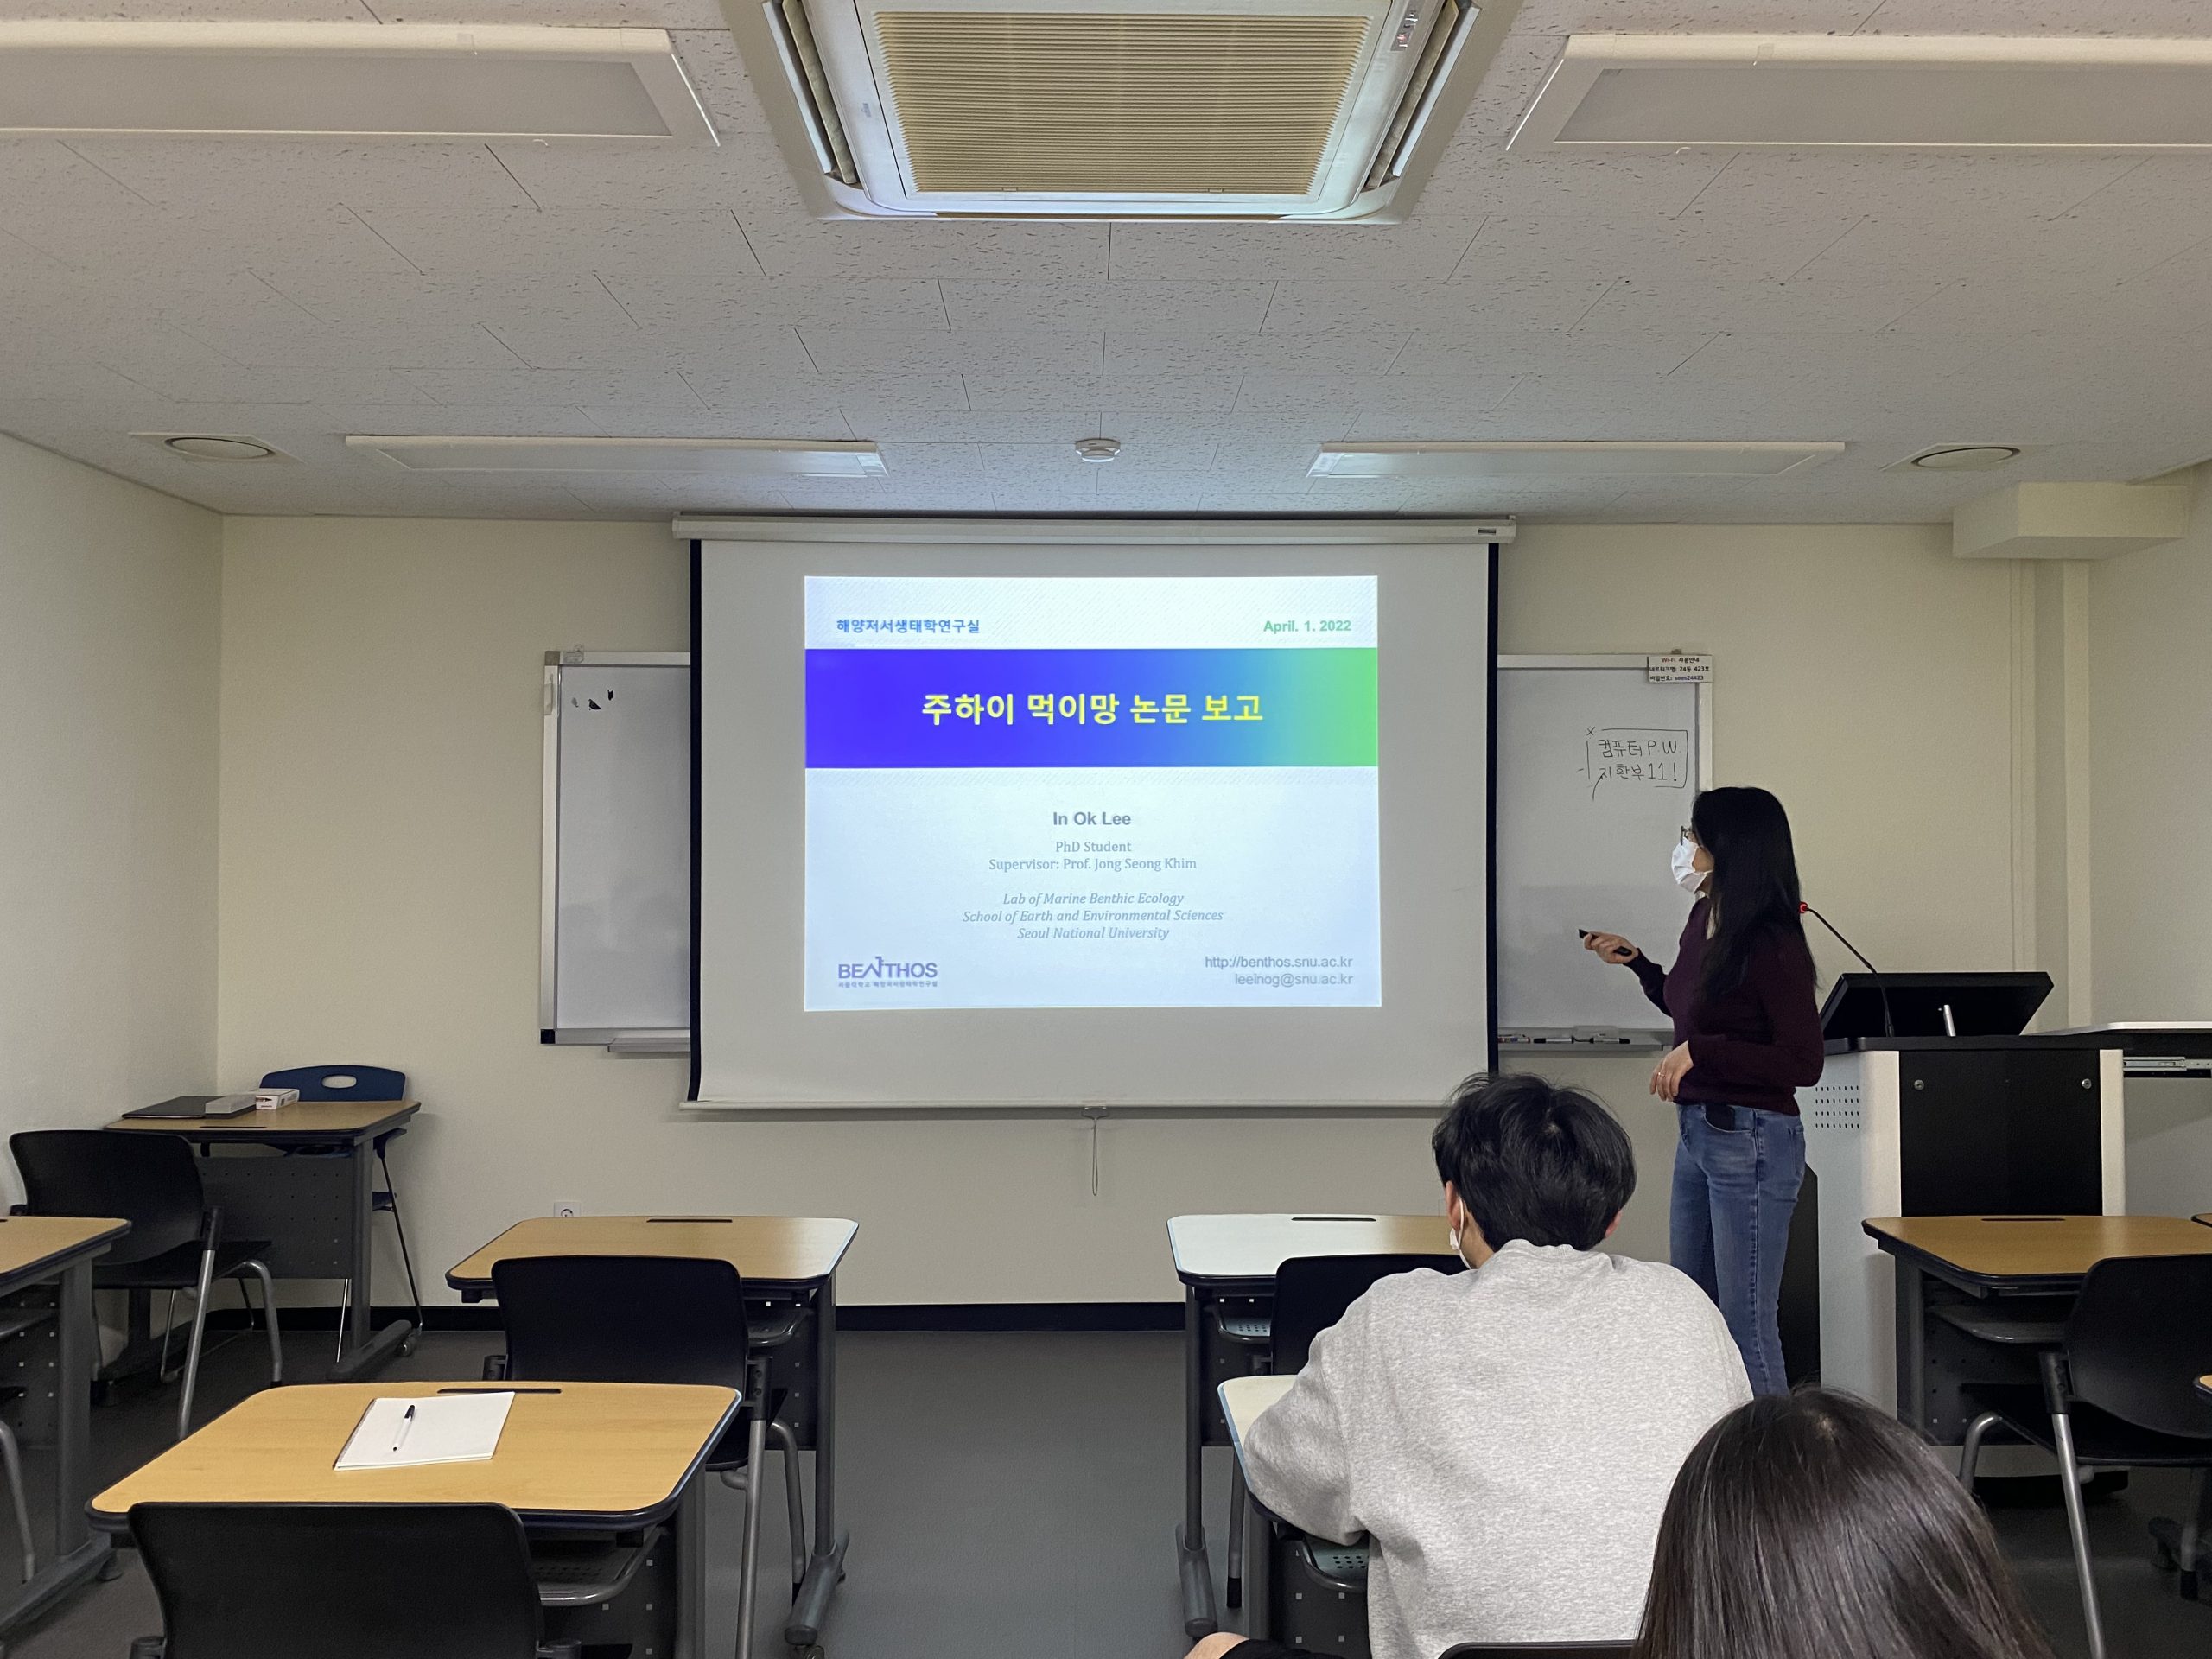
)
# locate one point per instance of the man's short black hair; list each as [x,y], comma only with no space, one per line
[1532,1160]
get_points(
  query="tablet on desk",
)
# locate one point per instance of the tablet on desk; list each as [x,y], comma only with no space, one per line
[197,1106]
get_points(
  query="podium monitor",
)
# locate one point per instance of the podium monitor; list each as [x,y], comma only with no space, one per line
[1933,1005]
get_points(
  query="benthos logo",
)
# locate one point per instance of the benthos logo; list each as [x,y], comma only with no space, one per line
[883,971]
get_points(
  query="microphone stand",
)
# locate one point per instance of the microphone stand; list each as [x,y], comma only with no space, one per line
[1889,1026]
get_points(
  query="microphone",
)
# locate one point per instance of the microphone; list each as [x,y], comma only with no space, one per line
[1889,1026]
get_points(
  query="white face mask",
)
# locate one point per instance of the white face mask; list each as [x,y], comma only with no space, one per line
[1687,874]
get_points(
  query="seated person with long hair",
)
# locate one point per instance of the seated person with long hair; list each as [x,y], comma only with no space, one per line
[1505,1437]
[1812,1526]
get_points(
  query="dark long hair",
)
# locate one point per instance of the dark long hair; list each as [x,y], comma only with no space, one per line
[1754,892]
[1812,1526]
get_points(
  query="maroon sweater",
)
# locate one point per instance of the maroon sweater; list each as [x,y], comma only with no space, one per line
[1755,1046]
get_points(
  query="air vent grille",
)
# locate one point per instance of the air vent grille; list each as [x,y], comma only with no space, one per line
[1070,102]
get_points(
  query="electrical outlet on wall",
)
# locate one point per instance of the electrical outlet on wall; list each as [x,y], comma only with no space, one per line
[566,1207]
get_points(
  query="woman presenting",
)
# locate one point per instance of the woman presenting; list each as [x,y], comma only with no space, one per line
[1747,1036]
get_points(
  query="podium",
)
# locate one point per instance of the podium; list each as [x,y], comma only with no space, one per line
[1932,1103]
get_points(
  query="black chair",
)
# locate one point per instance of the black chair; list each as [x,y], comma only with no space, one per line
[654,1319]
[1535,1649]
[175,1241]
[2121,1393]
[361,1083]
[339,1581]
[1312,1293]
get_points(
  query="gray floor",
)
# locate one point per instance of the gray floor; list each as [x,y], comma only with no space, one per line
[1014,1497]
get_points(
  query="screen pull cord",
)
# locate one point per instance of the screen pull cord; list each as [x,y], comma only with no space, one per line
[1097,1115]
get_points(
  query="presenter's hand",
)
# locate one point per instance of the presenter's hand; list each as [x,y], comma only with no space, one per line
[1611,947]
[1666,1076]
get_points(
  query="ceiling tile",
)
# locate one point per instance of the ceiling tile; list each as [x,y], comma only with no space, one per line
[235,383]
[309,345]
[936,350]
[1172,392]
[500,300]
[438,243]
[1187,252]
[660,300]
[618,344]
[717,75]
[1226,308]
[613,389]
[849,252]
[272,176]
[598,14]
[743,174]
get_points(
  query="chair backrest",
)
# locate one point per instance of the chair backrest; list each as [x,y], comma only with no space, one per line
[341,1082]
[622,1319]
[151,1179]
[2140,1337]
[1535,1649]
[339,1581]
[1312,1291]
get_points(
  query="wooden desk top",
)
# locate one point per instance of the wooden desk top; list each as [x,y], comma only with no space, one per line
[594,1454]
[304,1120]
[1254,1246]
[29,1244]
[765,1249]
[1996,1248]
[1243,1398]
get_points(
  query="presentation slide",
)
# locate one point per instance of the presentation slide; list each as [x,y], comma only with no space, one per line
[1091,792]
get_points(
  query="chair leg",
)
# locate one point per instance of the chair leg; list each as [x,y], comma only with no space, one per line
[161,1372]
[11,1455]
[199,1336]
[794,1497]
[260,1271]
[748,1582]
[1234,1591]
[1970,1454]
[2077,1523]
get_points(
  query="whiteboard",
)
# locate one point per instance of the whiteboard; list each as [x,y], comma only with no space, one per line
[1596,768]
[1581,842]
[615,932]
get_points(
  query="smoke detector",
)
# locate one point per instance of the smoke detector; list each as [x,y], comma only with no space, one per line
[1097,451]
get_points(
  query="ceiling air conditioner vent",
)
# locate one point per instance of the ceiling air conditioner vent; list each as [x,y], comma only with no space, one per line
[1253,108]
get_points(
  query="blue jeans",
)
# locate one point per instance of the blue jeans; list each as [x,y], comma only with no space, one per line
[1737,1173]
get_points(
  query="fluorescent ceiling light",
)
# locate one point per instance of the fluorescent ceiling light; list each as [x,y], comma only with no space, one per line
[712,457]
[1569,459]
[1881,90]
[350,81]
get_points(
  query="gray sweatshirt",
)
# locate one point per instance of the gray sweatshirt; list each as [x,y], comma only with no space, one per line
[1506,1437]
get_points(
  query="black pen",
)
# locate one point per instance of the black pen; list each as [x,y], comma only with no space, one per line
[406,1422]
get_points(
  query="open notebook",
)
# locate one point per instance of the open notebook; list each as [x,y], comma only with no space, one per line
[401,1434]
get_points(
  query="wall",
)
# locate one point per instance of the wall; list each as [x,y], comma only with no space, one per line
[109,599]
[2150,876]
[1862,674]
[380,788]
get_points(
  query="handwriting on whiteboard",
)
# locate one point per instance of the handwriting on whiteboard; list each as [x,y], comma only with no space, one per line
[1636,758]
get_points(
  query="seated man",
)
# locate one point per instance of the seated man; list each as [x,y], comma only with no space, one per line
[1506,1437]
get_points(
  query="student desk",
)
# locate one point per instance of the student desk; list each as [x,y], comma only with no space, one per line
[1227,1264]
[575,1457]
[1978,1295]
[780,1258]
[49,1347]
[299,1176]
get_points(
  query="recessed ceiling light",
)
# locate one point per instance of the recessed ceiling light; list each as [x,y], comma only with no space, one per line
[1966,458]
[1572,458]
[350,81]
[213,446]
[1873,92]
[721,457]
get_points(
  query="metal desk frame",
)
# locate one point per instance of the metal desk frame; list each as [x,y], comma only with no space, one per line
[826,1561]
[79,1553]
